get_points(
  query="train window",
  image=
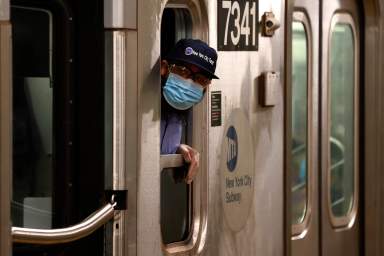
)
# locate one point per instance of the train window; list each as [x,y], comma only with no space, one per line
[342,116]
[299,164]
[176,195]
[301,171]
[32,118]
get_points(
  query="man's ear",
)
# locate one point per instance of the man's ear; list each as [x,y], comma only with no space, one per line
[164,68]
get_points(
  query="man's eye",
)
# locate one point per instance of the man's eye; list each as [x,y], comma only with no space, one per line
[202,78]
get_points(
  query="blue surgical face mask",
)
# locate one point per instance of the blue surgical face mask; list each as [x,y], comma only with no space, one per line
[182,93]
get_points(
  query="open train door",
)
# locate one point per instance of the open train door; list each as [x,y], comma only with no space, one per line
[57,125]
[63,125]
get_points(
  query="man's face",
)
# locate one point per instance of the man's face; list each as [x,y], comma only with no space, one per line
[186,71]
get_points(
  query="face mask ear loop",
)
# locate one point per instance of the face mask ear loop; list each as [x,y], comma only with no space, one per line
[170,67]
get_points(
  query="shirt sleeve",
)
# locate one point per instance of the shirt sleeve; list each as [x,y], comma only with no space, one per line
[171,133]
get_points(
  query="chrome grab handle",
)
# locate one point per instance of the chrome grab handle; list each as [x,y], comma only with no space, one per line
[64,235]
[171,161]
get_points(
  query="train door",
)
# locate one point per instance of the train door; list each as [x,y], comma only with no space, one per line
[305,126]
[58,112]
[341,153]
[326,212]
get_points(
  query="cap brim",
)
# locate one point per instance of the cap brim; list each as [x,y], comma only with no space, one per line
[213,76]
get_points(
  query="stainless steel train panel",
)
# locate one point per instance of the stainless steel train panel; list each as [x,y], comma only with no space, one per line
[120,14]
[148,175]
[131,141]
[240,85]
[373,135]
[5,137]
[263,232]
[4,10]
[121,49]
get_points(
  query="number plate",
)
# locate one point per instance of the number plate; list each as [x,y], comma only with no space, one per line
[237,25]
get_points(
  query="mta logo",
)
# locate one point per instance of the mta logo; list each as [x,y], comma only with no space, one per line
[232,148]
[188,51]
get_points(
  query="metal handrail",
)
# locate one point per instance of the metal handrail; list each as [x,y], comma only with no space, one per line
[338,201]
[335,165]
[299,186]
[171,161]
[65,235]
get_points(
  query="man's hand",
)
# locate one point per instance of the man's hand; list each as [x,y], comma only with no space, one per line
[192,157]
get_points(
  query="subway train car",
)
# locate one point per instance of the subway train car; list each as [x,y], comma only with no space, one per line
[290,137]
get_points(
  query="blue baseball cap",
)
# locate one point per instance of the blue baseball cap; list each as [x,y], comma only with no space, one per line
[196,52]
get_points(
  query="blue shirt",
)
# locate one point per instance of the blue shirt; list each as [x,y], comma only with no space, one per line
[171,128]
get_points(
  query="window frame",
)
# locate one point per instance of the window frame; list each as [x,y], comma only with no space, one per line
[180,11]
[199,188]
[347,221]
[298,231]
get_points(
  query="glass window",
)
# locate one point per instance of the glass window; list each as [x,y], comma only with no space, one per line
[299,164]
[342,113]
[32,118]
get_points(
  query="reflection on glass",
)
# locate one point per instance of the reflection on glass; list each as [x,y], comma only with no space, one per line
[32,118]
[342,113]
[299,122]
[175,206]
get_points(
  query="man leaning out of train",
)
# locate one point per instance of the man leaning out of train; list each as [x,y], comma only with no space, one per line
[186,73]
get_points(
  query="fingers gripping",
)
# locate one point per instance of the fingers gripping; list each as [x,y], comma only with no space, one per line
[193,166]
[185,151]
[190,156]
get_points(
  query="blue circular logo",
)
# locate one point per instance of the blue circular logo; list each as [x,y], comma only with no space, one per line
[188,51]
[232,148]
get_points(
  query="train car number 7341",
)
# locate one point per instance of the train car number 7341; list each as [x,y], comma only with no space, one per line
[237,28]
